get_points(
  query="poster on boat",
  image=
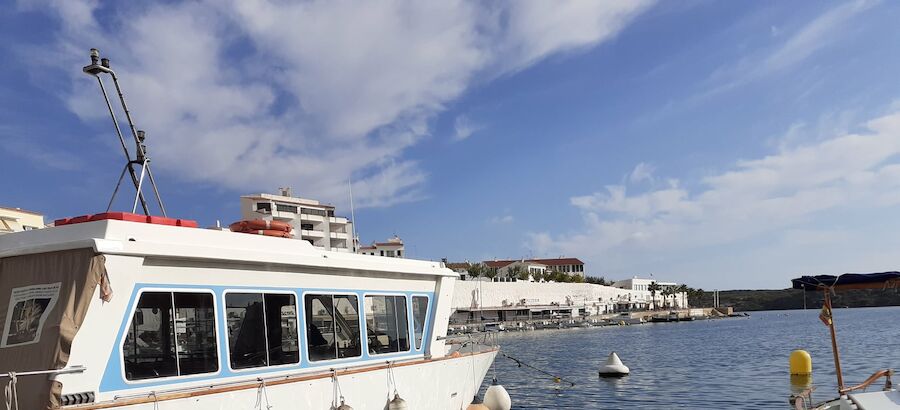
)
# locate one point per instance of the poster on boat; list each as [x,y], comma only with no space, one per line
[29,307]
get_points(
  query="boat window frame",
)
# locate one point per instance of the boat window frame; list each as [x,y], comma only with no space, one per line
[409,324]
[425,327]
[172,290]
[265,326]
[360,316]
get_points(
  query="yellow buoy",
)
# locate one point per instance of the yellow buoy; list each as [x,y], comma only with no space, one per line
[801,363]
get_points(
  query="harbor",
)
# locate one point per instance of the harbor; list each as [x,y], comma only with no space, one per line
[456,205]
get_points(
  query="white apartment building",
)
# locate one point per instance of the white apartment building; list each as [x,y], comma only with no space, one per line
[311,220]
[642,288]
[393,248]
[18,219]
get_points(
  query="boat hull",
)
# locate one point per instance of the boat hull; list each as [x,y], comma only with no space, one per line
[446,383]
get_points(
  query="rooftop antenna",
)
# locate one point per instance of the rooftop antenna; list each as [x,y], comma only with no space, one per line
[100,66]
[352,217]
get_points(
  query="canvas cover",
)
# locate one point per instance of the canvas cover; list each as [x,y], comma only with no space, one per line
[43,300]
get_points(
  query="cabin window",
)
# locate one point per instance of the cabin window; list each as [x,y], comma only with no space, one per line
[262,329]
[164,320]
[420,313]
[386,324]
[264,206]
[332,327]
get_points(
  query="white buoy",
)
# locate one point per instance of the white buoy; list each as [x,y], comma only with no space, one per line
[613,367]
[397,403]
[496,397]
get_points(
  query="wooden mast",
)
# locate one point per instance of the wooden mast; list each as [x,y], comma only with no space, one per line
[834,346]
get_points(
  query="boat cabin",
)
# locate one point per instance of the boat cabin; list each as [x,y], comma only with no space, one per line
[124,306]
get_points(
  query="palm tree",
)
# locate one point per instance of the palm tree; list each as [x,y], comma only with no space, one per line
[683,290]
[653,288]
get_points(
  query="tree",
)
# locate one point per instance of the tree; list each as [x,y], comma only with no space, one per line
[577,279]
[683,290]
[653,288]
[490,273]
[476,270]
[523,274]
[663,293]
[538,275]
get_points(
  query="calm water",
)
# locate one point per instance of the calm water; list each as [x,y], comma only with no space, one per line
[715,364]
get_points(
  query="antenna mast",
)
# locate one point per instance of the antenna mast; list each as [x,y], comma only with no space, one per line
[100,66]
[352,217]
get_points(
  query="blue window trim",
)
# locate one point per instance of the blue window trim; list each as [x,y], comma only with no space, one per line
[113,378]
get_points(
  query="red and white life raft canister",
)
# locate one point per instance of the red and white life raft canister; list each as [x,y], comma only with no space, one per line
[128,217]
[262,227]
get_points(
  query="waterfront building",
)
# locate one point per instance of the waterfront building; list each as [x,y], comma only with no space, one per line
[311,220]
[18,220]
[643,285]
[393,248]
[571,266]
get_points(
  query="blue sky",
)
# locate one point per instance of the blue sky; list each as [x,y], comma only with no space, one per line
[721,144]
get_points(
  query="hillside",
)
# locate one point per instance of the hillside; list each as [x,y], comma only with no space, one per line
[749,300]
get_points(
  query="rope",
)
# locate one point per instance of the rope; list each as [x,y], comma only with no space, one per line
[556,379]
[337,390]
[260,393]
[11,392]
[393,379]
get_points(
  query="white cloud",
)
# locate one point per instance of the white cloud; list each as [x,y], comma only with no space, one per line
[813,36]
[764,196]
[464,128]
[505,219]
[819,33]
[254,94]
[642,172]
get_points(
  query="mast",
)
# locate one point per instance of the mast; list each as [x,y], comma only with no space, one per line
[100,66]
[834,346]
[353,238]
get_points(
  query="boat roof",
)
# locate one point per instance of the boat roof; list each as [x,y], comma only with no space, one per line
[883,280]
[130,238]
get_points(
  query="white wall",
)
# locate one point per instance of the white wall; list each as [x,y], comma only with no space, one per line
[469,294]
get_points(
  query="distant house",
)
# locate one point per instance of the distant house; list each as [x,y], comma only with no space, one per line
[571,266]
[393,248]
[18,219]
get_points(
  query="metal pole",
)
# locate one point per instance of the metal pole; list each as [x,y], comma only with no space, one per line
[140,183]
[155,190]
[116,191]
[137,141]
[834,346]
[134,179]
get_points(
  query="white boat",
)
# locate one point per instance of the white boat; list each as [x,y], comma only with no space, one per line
[849,397]
[126,311]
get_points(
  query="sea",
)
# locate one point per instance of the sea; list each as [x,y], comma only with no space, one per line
[733,363]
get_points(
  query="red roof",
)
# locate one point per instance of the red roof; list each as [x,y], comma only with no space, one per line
[497,264]
[459,265]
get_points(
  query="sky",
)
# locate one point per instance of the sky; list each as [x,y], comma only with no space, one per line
[720,144]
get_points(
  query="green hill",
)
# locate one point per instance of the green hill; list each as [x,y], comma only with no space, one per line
[749,300]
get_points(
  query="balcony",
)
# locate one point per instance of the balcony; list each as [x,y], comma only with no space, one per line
[340,235]
[312,234]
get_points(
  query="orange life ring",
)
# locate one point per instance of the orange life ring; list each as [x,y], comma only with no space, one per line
[260,224]
[267,232]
